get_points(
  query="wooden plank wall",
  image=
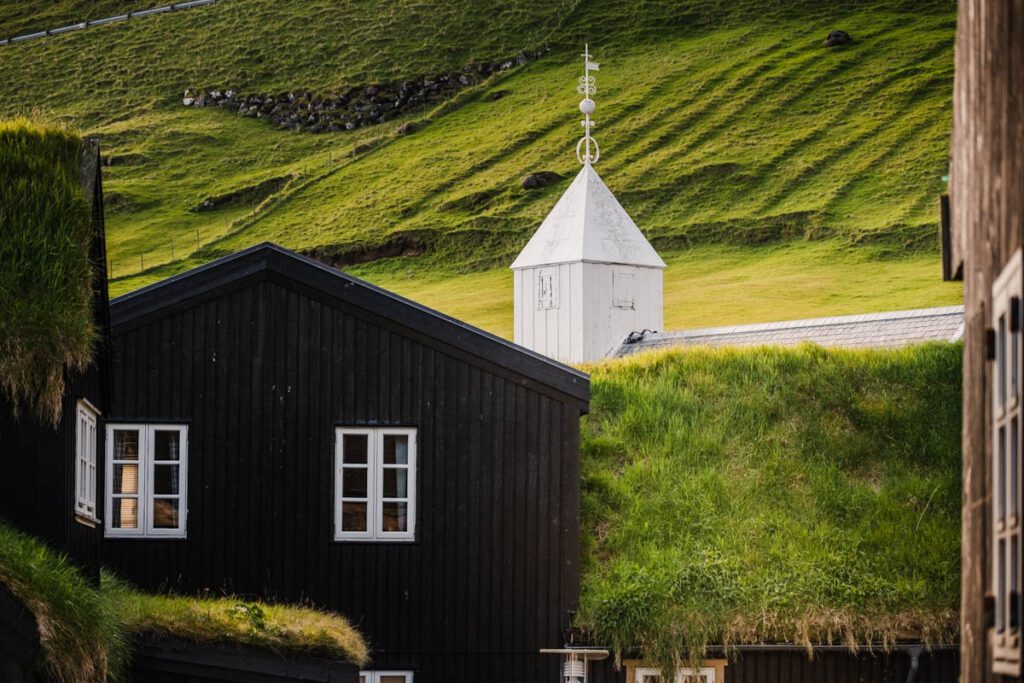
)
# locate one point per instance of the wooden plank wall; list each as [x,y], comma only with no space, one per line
[262,375]
[987,203]
[774,666]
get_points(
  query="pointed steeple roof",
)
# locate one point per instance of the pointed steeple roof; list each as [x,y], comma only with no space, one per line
[588,224]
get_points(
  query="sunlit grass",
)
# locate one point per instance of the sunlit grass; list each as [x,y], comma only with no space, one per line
[721,123]
[772,495]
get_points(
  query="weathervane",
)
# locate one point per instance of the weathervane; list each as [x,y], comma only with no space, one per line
[587,87]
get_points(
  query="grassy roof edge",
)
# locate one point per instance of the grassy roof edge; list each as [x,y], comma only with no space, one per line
[81,637]
[46,326]
[766,495]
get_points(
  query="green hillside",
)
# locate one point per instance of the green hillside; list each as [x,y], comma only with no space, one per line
[750,154]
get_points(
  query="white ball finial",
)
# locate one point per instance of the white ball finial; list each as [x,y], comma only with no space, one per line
[587,106]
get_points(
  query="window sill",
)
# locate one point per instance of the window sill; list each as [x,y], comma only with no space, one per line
[86,520]
[375,541]
[141,537]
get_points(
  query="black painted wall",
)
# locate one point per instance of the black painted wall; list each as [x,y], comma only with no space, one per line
[262,370]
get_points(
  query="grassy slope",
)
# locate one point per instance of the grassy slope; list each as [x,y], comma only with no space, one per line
[796,495]
[720,123]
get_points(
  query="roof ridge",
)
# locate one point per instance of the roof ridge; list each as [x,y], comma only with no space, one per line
[907,314]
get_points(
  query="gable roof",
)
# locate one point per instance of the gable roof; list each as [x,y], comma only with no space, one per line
[271,261]
[880,330]
[588,224]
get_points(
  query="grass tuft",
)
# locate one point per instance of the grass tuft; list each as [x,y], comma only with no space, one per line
[772,495]
[46,329]
[82,639]
[285,629]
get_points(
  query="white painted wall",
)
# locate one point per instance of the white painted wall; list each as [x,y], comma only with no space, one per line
[589,309]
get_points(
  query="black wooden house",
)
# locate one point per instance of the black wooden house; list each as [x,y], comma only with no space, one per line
[281,429]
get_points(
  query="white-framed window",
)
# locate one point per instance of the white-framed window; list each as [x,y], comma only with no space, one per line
[147,479]
[85,460]
[703,675]
[547,289]
[375,484]
[1006,468]
[623,289]
[385,677]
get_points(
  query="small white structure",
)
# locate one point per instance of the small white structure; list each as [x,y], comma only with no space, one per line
[588,276]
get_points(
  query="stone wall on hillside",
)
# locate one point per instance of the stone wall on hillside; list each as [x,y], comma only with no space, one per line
[305,110]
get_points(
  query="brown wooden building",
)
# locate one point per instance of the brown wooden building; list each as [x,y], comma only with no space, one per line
[983,248]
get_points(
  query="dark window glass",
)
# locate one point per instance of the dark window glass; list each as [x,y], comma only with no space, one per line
[356,448]
[165,479]
[396,482]
[126,444]
[166,445]
[165,513]
[125,513]
[353,516]
[396,449]
[354,482]
[126,479]
[394,517]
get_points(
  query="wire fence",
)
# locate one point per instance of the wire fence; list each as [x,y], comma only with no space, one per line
[106,20]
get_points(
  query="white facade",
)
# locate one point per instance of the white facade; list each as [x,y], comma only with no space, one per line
[587,277]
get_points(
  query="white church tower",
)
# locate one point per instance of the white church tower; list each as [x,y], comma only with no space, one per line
[588,276]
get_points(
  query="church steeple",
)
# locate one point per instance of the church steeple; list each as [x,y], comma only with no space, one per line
[588,276]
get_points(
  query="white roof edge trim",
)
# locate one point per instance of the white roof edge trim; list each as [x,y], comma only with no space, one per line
[586,260]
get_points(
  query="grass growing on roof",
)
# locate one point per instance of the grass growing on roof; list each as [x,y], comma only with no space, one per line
[82,640]
[761,495]
[285,629]
[45,273]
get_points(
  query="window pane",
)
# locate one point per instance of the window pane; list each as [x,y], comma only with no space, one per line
[396,449]
[126,479]
[1014,497]
[395,482]
[1001,353]
[393,679]
[393,517]
[126,513]
[126,444]
[354,482]
[1001,592]
[165,514]
[166,445]
[165,479]
[355,448]
[353,516]
[1001,494]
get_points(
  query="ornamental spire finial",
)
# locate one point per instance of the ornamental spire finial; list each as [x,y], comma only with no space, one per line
[587,150]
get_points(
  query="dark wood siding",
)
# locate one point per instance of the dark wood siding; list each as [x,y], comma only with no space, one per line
[987,208]
[787,666]
[262,374]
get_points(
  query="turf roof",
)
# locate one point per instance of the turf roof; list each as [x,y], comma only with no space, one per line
[46,328]
[86,633]
[772,495]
